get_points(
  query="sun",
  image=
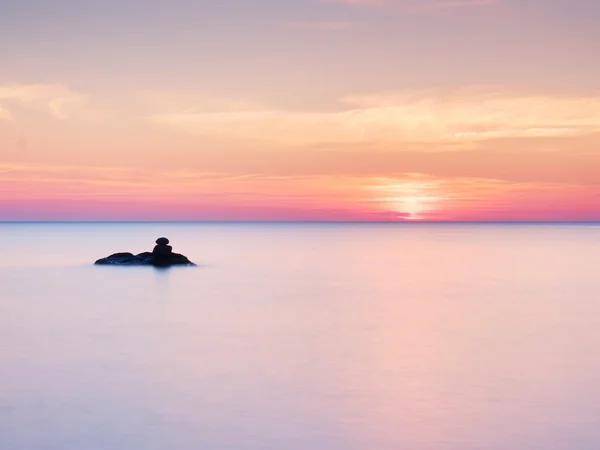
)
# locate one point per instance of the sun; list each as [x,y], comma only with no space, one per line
[411,200]
[411,207]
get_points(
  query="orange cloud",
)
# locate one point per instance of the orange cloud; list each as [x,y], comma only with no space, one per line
[458,116]
[5,114]
[58,101]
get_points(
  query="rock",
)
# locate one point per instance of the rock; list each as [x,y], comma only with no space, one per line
[163,257]
[162,249]
[162,241]
[144,259]
[121,259]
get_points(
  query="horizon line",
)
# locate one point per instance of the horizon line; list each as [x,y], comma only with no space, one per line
[366,222]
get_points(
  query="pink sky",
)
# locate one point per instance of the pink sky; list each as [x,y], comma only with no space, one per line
[300,110]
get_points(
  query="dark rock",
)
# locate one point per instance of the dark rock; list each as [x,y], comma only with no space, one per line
[162,241]
[144,259]
[119,258]
[161,256]
[162,250]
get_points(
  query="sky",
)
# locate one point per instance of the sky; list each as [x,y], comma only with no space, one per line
[330,110]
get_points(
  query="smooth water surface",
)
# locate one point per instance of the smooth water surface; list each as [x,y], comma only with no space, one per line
[301,337]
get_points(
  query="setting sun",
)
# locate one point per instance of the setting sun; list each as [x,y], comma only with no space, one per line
[410,200]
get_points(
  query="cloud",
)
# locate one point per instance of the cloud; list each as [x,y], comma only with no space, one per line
[179,180]
[5,114]
[56,100]
[157,101]
[196,189]
[416,6]
[443,117]
[321,25]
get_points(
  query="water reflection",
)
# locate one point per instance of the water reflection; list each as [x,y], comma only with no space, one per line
[324,338]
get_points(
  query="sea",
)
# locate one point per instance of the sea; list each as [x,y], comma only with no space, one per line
[301,336]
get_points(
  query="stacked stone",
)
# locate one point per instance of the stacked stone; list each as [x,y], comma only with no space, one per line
[162,248]
[161,256]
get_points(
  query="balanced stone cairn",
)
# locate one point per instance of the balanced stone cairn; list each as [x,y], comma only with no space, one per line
[162,256]
[162,248]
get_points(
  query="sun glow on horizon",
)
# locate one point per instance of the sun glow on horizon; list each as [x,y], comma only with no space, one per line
[411,200]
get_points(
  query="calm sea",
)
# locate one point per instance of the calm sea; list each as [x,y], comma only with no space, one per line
[301,337]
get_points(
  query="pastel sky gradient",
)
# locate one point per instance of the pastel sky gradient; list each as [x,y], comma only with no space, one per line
[300,110]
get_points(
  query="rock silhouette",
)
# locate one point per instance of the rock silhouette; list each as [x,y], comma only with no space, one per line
[161,256]
[162,248]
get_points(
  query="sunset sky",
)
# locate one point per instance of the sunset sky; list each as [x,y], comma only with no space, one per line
[300,110]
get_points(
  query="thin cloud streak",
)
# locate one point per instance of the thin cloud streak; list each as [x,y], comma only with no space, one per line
[5,114]
[58,101]
[458,116]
